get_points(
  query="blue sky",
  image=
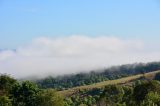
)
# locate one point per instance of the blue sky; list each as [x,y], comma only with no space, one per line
[76,34]
[23,20]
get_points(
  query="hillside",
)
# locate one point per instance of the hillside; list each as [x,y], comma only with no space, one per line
[124,80]
[80,79]
[136,90]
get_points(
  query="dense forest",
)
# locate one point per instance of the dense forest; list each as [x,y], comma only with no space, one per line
[140,93]
[48,91]
[69,81]
[14,93]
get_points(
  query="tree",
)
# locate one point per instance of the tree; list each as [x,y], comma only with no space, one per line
[151,99]
[5,101]
[140,91]
[49,97]
[113,94]
[24,94]
[6,84]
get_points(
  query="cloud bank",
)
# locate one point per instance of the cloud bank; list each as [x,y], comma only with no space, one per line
[72,54]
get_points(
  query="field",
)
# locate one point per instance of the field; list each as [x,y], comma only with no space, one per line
[124,80]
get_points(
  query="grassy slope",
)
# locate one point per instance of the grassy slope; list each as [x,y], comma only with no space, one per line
[109,82]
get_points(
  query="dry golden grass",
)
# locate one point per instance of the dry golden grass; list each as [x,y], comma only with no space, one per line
[109,82]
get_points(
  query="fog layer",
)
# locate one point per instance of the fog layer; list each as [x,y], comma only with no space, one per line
[65,55]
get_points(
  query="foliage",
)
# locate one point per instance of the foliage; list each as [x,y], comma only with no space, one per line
[119,95]
[6,84]
[142,92]
[69,81]
[113,94]
[26,94]
[157,76]
[5,101]
[151,99]
[49,97]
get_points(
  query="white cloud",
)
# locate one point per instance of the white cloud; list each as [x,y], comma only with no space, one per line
[5,54]
[72,54]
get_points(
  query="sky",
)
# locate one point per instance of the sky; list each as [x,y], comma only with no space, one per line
[61,36]
[22,21]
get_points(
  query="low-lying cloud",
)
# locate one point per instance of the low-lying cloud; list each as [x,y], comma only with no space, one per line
[66,55]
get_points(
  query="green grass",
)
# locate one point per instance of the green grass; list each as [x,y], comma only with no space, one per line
[124,80]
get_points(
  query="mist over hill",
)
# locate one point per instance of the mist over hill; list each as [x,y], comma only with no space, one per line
[73,54]
[80,79]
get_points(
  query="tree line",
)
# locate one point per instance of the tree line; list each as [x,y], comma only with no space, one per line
[69,81]
[139,93]
[26,93]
